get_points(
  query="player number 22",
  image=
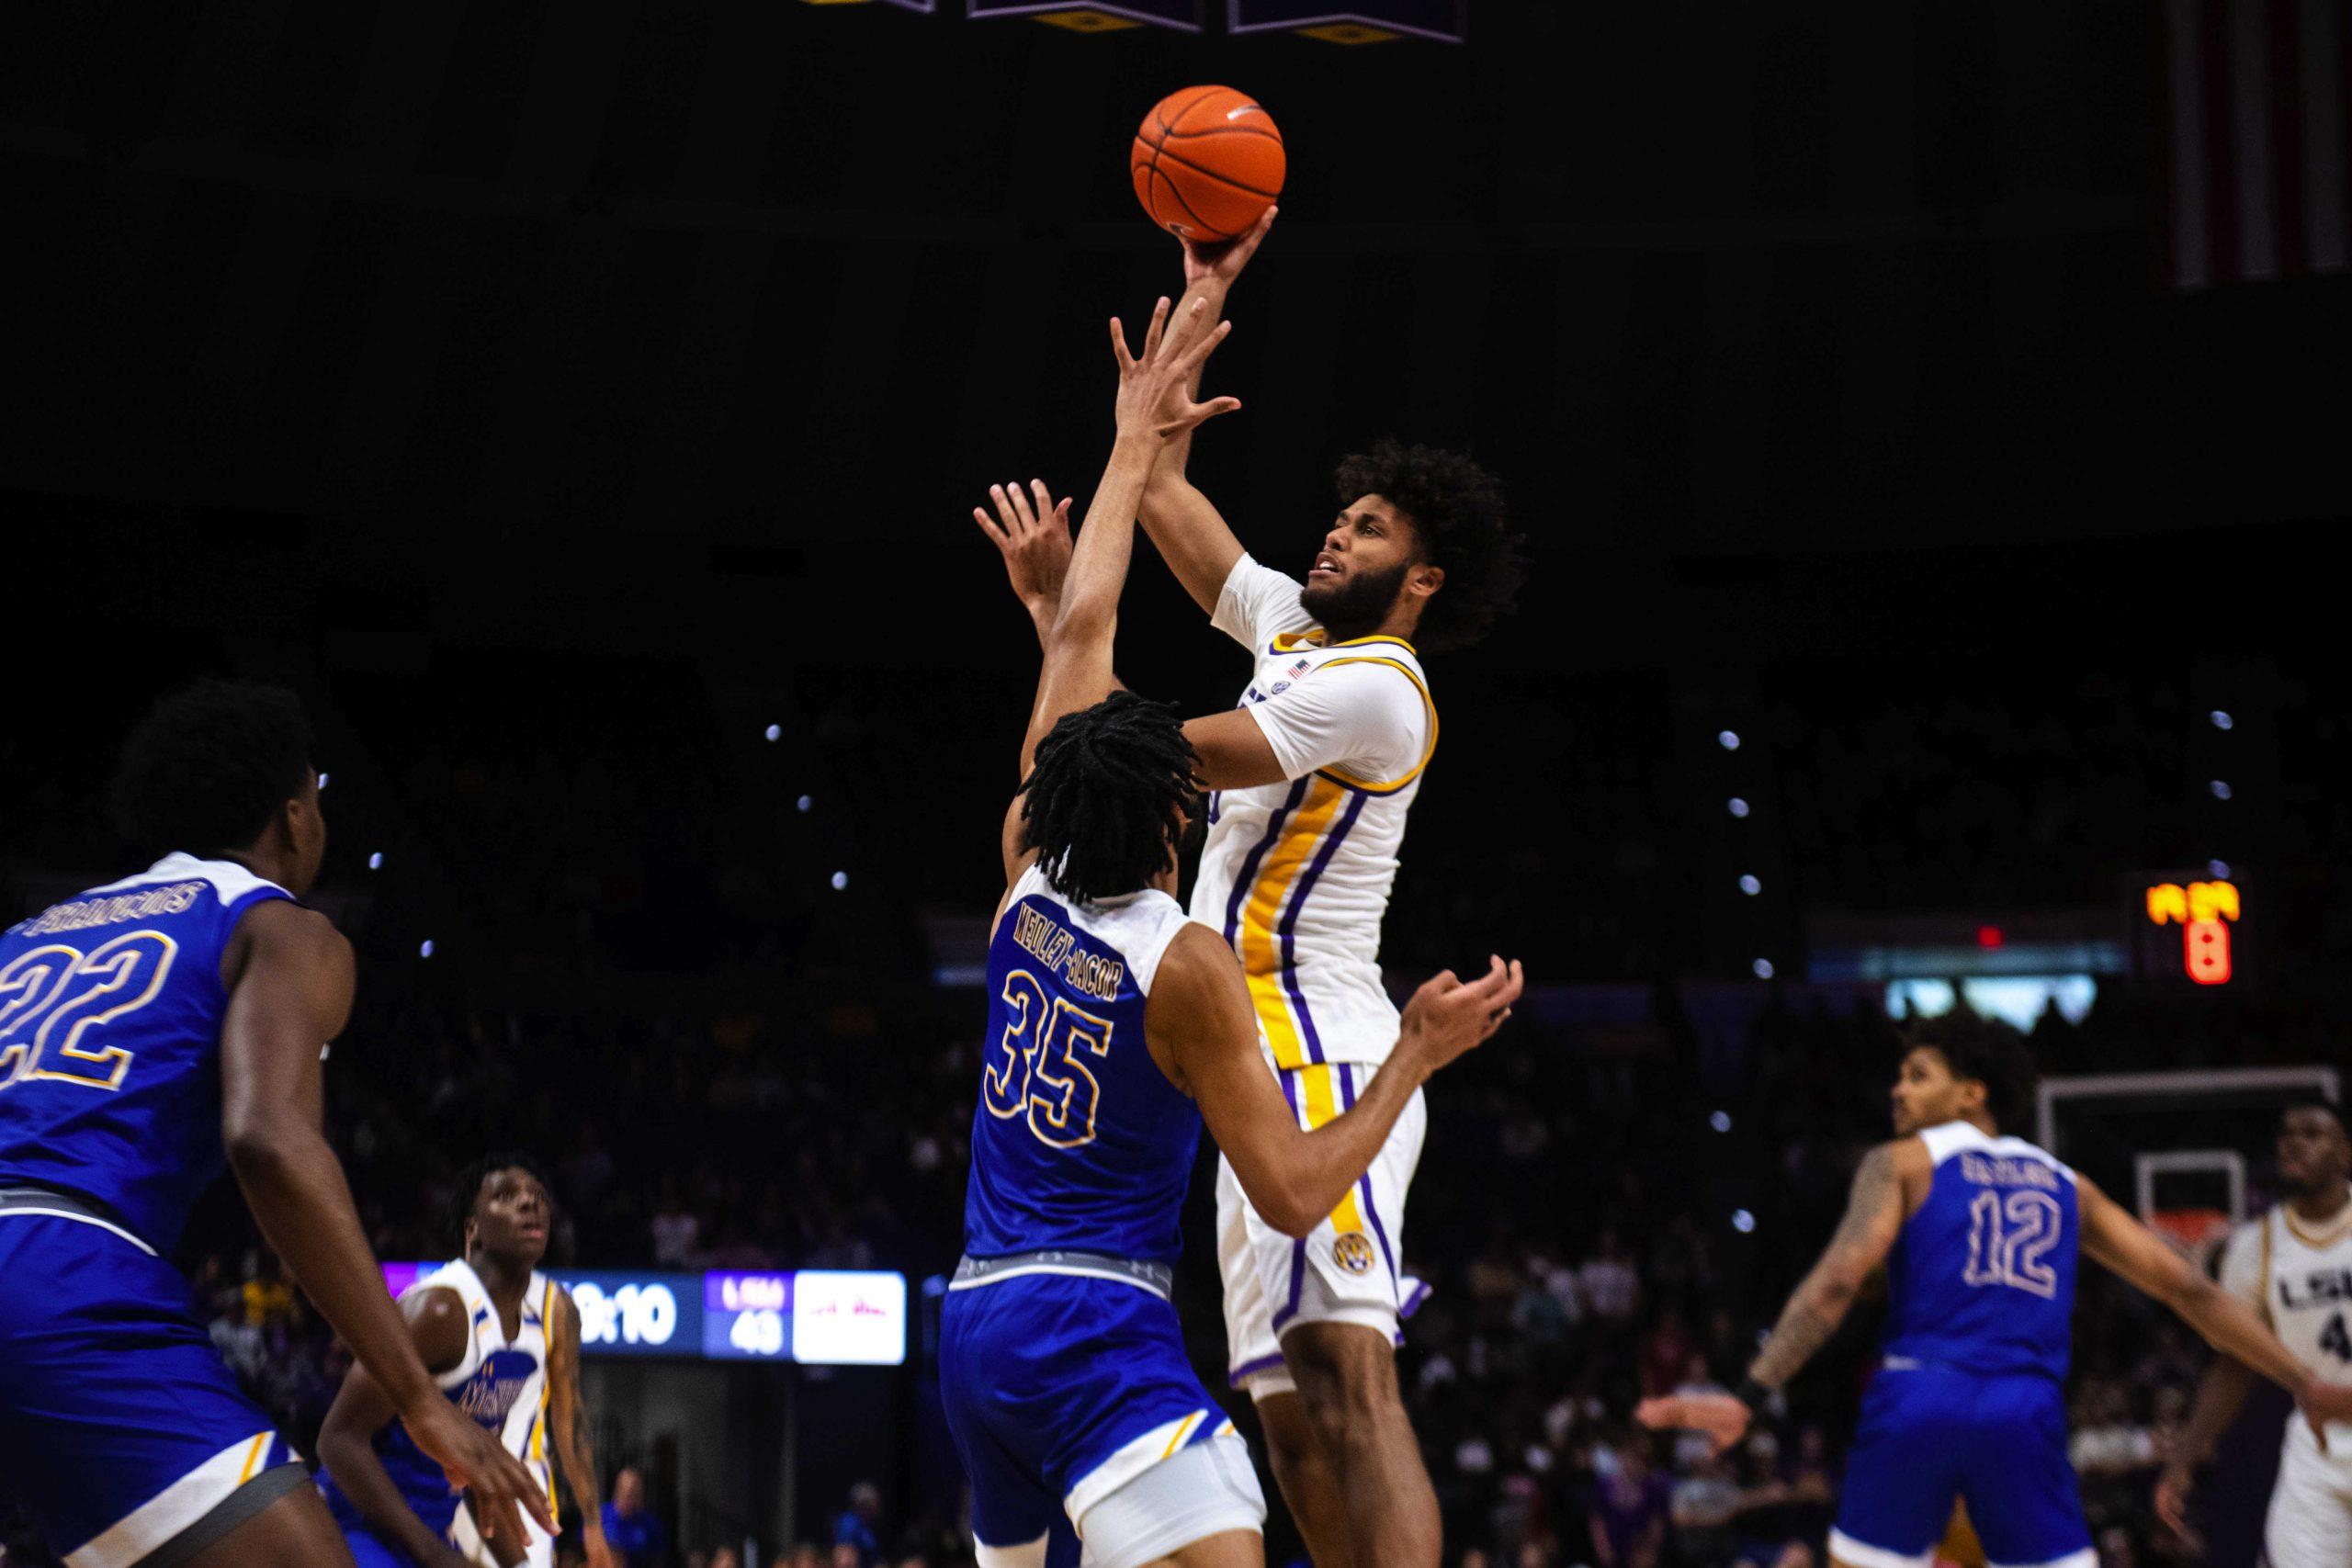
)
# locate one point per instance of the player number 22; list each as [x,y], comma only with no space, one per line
[2010,1242]
[1040,1074]
[56,1002]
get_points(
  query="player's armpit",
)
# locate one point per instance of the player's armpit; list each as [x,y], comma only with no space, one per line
[1233,750]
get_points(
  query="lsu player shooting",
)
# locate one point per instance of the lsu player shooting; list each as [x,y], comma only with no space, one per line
[2294,1267]
[1117,1028]
[1979,1234]
[152,1032]
[503,1342]
[1315,772]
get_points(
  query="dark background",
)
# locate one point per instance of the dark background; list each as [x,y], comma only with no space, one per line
[561,396]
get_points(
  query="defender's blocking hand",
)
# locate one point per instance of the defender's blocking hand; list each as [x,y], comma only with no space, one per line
[1034,541]
[1152,397]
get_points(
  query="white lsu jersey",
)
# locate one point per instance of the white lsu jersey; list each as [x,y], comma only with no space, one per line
[2298,1277]
[1296,875]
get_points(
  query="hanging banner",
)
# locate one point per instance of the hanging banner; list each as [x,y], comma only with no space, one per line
[1352,21]
[1098,15]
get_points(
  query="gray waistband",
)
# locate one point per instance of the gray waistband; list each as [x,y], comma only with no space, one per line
[1157,1277]
[67,1205]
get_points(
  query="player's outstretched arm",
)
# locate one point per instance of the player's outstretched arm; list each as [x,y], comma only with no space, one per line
[1184,525]
[2222,1392]
[575,1450]
[1874,1214]
[1199,1017]
[2112,1238]
[288,973]
[1077,672]
[438,1329]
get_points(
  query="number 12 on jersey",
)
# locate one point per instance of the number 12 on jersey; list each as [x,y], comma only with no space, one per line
[2010,1242]
[1041,1075]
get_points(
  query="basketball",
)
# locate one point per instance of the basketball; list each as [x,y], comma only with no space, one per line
[1207,161]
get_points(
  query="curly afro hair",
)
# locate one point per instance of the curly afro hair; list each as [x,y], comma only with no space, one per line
[1988,1051]
[208,767]
[1105,805]
[1463,525]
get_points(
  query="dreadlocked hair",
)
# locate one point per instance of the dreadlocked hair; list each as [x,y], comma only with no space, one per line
[1463,526]
[1105,804]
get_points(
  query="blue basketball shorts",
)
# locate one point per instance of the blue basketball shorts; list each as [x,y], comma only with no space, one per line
[370,1550]
[1061,1389]
[121,1430]
[1929,1435]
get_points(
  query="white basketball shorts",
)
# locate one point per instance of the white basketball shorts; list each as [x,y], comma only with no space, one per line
[1346,1270]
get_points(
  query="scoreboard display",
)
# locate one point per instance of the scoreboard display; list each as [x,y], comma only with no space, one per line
[817,1318]
[2192,928]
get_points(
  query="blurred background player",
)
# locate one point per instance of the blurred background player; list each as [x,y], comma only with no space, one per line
[1062,1366]
[1315,772]
[1979,1234]
[151,1031]
[502,1340]
[2294,1267]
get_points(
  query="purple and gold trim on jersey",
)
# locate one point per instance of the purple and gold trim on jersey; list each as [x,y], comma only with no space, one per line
[1318,1094]
[1387,787]
[1262,916]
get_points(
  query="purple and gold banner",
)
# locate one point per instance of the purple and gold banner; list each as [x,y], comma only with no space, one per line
[1099,16]
[1352,21]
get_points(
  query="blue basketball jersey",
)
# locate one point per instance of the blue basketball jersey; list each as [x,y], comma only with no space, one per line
[1982,1279]
[1079,1142]
[110,1009]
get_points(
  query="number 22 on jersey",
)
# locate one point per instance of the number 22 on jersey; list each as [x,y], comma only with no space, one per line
[52,999]
[1041,1074]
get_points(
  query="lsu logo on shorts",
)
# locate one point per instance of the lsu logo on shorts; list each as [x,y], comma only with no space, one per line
[1352,1252]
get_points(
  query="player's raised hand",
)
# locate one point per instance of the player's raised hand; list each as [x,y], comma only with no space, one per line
[1033,539]
[1722,1418]
[1221,262]
[476,1461]
[1448,1018]
[1153,398]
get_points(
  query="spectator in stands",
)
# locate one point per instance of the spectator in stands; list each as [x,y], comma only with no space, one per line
[856,1525]
[636,1536]
[1607,1280]
[1629,1511]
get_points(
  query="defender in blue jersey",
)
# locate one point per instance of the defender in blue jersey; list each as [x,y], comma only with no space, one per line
[1116,1028]
[503,1340]
[1979,1235]
[152,1032]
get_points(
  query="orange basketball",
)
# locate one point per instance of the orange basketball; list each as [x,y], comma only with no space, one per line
[1206,162]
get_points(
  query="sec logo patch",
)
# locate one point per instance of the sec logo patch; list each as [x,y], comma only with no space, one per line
[1352,1253]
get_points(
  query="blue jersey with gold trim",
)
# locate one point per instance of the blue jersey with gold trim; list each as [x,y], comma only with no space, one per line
[1080,1143]
[110,1009]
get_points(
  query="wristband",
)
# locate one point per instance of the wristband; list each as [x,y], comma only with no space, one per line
[1753,1394]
